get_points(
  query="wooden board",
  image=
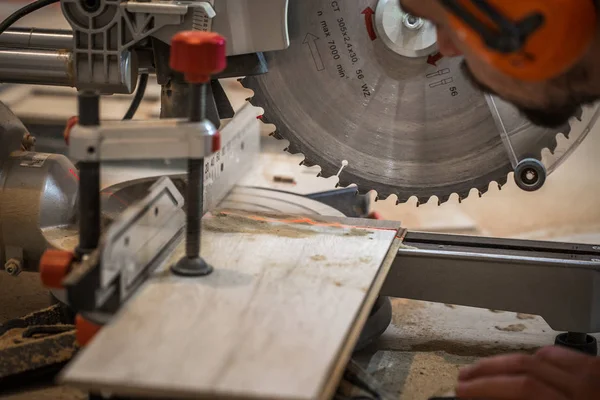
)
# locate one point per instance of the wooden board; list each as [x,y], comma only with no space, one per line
[278,318]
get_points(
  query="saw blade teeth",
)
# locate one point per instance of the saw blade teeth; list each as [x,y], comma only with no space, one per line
[551,146]
[307,163]
[443,199]
[294,150]
[579,114]
[402,195]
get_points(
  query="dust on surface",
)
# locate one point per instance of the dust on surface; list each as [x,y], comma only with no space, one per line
[496,311]
[12,337]
[20,296]
[231,223]
[450,305]
[365,260]
[358,232]
[463,349]
[46,392]
[63,350]
[431,375]
[525,316]
[236,222]
[512,328]
[318,257]
[406,312]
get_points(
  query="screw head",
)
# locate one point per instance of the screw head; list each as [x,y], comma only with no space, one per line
[28,141]
[198,55]
[13,267]
[412,22]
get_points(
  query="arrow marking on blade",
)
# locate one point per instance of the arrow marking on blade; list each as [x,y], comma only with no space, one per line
[368,13]
[311,41]
[434,58]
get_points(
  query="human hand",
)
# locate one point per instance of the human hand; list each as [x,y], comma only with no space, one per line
[553,373]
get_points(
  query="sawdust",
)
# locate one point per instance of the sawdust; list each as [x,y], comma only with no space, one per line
[33,353]
[365,260]
[525,316]
[11,338]
[406,312]
[19,297]
[230,223]
[47,393]
[318,258]
[430,375]
[358,232]
[463,349]
[496,311]
[450,305]
[236,222]
[512,328]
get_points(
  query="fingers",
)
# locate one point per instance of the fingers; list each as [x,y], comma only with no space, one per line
[565,359]
[518,365]
[507,387]
[500,365]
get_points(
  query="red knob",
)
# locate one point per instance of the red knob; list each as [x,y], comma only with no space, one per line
[198,55]
[54,267]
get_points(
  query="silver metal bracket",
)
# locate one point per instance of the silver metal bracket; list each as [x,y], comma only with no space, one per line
[140,235]
[143,140]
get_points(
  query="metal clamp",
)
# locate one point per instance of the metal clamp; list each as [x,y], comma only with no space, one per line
[138,140]
[140,235]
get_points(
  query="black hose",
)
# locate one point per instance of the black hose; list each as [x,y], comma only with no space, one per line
[137,99]
[24,11]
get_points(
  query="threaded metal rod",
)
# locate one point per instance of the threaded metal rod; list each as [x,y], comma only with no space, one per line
[193,264]
[195,206]
[197,102]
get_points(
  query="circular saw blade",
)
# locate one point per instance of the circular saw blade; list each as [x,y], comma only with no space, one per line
[405,126]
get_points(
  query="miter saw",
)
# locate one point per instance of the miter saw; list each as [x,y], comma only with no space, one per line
[357,87]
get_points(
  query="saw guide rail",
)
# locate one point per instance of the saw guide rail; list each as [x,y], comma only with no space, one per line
[348,50]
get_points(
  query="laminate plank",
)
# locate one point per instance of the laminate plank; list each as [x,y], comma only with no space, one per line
[278,318]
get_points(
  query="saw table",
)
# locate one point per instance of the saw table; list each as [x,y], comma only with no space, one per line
[442,268]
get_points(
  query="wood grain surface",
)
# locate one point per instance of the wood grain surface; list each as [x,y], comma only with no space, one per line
[278,318]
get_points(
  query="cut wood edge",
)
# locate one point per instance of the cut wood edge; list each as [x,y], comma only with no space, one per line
[332,381]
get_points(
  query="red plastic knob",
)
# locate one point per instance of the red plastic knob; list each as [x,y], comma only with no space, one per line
[54,267]
[198,55]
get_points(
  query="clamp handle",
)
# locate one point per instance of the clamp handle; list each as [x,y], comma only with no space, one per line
[198,55]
